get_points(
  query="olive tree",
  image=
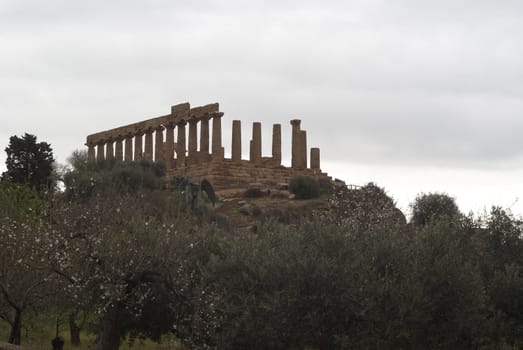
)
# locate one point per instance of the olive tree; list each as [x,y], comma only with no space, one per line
[429,207]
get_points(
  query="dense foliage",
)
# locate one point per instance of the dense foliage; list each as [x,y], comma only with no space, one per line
[24,272]
[29,161]
[428,207]
[362,208]
[142,264]
[304,187]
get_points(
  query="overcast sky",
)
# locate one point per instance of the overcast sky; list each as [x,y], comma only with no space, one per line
[415,95]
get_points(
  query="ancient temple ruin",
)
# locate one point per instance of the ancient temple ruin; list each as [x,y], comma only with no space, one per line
[154,139]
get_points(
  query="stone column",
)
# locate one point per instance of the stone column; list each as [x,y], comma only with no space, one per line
[100,151]
[217,149]
[294,140]
[204,135]
[168,152]
[109,151]
[158,145]
[91,152]
[119,149]
[180,142]
[193,135]
[128,146]
[138,149]
[276,143]
[256,143]
[148,152]
[302,149]
[315,158]
[236,153]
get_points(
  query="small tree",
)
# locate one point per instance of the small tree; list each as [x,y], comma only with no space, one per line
[431,207]
[24,276]
[29,161]
[365,207]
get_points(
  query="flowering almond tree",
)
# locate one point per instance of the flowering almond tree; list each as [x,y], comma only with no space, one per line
[117,254]
[24,273]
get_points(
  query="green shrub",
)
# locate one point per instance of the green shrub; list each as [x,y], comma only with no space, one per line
[304,187]
[180,183]
[87,178]
[430,207]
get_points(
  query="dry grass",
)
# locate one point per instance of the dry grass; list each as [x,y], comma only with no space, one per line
[40,339]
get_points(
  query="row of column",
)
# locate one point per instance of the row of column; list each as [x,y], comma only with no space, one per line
[299,145]
[255,145]
[121,147]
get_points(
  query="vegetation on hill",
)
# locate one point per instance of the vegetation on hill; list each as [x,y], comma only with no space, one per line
[304,187]
[29,162]
[141,262]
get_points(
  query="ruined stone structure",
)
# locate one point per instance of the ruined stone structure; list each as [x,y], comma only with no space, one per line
[154,139]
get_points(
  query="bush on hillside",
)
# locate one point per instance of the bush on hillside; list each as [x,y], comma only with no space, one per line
[429,207]
[304,187]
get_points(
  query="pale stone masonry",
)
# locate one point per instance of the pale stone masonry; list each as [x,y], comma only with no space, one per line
[236,152]
[256,143]
[154,139]
[276,143]
[315,158]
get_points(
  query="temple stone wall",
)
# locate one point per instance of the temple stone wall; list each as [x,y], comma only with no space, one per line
[185,153]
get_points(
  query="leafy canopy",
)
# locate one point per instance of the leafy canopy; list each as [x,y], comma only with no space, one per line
[430,207]
[29,161]
[304,187]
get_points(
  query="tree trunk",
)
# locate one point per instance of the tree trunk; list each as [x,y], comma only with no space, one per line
[109,338]
[16,328]
[74,330]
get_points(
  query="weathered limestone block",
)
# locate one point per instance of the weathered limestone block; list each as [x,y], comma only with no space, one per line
[180,143]
[109,150]
[138,147]
[276,143]
[148,153]
[128,146]
[217,149]
[302,150]
[100,151]
[178,113]
[119,149]
[294,140]
[201,111]
[204,135]
[236,152]
[158,144]
[315,158]
[168,152]
[181,109]
[91,152]
[256,143]
[193,135]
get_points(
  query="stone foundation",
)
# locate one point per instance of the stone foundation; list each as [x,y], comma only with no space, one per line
[229,174]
